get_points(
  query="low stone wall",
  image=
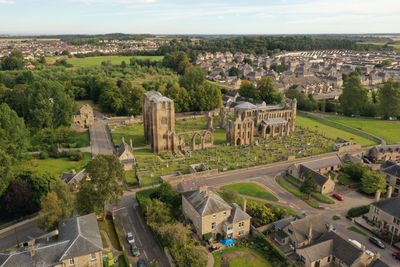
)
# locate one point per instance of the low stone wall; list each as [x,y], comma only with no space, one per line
[350,148]
[174,179]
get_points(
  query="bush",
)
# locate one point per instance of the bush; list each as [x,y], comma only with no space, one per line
[357,211]
[43,155]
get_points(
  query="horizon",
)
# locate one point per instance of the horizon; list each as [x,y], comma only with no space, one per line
[178,17]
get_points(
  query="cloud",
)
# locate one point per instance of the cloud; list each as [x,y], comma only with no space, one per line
[7,2]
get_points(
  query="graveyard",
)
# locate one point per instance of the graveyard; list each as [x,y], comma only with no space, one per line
[150,166]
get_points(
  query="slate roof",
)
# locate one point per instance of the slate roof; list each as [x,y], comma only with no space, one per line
[379,263]
[393,170]
[331,243]
[191,185]
[323,163]
[77,237]
[301,227]
[206,203]
[122,148]
[245,105]
[318,178]
[237,214]
[390,205]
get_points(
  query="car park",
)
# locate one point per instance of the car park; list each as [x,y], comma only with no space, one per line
[376,242]
[130,238]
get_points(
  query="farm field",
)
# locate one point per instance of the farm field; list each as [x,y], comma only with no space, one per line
[331,132]
[387,130]
[250,189]
[96,61]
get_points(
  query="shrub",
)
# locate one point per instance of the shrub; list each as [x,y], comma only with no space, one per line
[357,211]
[43,155]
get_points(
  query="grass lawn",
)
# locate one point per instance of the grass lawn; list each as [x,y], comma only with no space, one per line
[239,256]
[318,196]
[81,139]
[56,167]
[96,61]
[331,132]
[108,226]
[296,192]
[133,131]
[387,130]
[250,189]
[356,230]
[130,177]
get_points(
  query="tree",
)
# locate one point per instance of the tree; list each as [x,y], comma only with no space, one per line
[17,200]
[158,213]
[177,61]
[355,171]
[5,171]
[304,102]
[48,105]
[260,213]
[206,97]
[309,185]
[111,99]
[132,97]
[233,71]
[389,99]
[373,181]
[193,78]
[104,186]
[14,61]
[354,97]
[180,96]
[56,206]
[267,92]
[13,133]
[247,89]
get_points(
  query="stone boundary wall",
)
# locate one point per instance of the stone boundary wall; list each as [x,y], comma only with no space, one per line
[174,180]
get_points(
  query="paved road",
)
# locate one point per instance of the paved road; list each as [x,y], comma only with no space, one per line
[131,221]
[21,234]
[100,139]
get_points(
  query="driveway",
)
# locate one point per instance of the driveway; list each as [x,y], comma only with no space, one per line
[129,219]
[100,139]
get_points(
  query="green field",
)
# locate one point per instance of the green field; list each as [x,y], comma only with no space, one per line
[250,189]
[96,61]
[331,132]
[80,139]
[395,46]
[240,256]
[387,130]
[133,131]
[56,167]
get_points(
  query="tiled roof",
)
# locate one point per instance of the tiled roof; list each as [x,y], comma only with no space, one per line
[206,203]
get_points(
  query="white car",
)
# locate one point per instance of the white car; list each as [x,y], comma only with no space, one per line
[130,238]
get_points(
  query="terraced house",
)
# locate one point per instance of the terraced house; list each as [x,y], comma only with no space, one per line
[78,244]
[212,216]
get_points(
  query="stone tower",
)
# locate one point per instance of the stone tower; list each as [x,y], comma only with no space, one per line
[159,122]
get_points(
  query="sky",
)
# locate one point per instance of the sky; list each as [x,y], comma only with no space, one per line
[199,17]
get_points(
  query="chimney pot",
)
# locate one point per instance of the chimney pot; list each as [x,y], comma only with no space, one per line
[377,195]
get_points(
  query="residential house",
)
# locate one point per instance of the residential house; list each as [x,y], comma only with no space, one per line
[73,179]
[333,250]
[391,170]
[212,216]
[384,152]
[78,244]
[301,232]
[385,214]
[125,155]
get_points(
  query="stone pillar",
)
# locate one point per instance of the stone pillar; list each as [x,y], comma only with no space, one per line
[377,195]
[389,191]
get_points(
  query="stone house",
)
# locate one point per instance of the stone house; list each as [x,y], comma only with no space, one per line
[301,232]
[78,244]
[385,214]
[212,216]
[325,185]
[333,250]
[322,166]
[384,152]
[124,153]
[74,179]
[85,118]
[391,170]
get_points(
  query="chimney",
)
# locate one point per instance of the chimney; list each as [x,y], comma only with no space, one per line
[31,249]
[309,237]
[377,195]
[330,227]
[389,191]
[244,204]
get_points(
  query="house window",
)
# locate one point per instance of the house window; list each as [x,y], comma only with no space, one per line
[213,225]
[241,224]
[224,212]
[71,262]
[93,256]
[214,216]
[240,233]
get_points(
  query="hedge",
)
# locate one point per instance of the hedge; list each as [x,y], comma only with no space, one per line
[358,211]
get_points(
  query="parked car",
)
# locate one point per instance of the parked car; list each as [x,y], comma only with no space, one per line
[396,255]
[141,263]
[366,160]
[338,197]
[130,238]
[376,242]
[134,250]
